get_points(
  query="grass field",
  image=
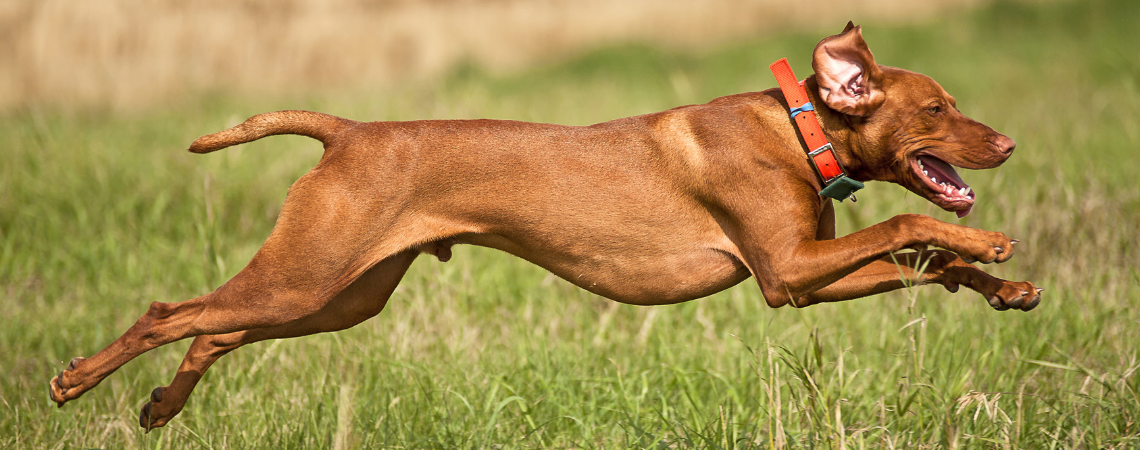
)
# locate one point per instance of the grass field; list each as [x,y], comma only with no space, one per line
[102,213]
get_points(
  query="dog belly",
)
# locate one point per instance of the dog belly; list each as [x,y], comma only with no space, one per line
[628,274]
[666,279]
[672,281]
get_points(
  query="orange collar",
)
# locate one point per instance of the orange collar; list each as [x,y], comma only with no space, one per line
[821,154]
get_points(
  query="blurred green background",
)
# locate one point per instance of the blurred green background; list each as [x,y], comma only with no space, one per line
[102,212]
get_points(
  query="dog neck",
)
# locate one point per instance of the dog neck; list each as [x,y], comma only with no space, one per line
[840,131]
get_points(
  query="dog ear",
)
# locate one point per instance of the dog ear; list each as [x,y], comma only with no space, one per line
[849,80]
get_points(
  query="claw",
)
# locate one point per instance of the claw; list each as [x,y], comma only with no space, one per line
[969,259]
[998,250]
[1016,301]
[1032,303]
[1013,241]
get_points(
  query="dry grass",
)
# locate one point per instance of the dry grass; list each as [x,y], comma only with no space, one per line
[129,53]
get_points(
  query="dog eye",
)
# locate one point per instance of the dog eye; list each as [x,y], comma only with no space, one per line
[934,109]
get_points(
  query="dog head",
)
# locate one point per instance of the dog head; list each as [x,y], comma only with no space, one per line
[905,128]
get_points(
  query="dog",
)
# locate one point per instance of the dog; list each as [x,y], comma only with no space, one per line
[654,209]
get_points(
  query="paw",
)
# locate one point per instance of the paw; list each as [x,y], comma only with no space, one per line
[1016,295]
[153,413]
[990,247]
[60,389]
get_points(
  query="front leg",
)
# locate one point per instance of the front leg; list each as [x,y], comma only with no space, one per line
[788,243]
[927,267]
[799,259]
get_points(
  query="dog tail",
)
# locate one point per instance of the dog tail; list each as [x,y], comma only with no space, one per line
[319,126]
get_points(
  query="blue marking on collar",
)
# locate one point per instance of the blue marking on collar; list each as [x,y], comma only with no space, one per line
[802,108]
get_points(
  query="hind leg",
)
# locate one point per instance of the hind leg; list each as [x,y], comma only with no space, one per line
[311,256]
[163,323]
[361,300]
[236,306]
[327,237]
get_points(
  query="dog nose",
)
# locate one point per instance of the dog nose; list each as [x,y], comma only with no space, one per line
[1004,144]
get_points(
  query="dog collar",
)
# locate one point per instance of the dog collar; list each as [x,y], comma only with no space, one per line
[821,154]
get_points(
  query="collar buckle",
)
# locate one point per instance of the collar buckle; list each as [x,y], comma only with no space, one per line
[836,184]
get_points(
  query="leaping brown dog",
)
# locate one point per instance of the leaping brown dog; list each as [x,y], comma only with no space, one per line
[648,210]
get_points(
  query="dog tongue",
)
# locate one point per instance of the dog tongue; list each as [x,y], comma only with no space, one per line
[963,212]
[945,172]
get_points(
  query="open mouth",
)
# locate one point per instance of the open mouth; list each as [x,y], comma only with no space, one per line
[947,188]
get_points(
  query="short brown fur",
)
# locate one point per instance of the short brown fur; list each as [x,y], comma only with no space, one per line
[647,210]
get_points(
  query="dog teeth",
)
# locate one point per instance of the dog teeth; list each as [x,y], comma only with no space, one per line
[965,191]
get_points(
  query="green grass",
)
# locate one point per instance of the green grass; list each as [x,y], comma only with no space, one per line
[102,213]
